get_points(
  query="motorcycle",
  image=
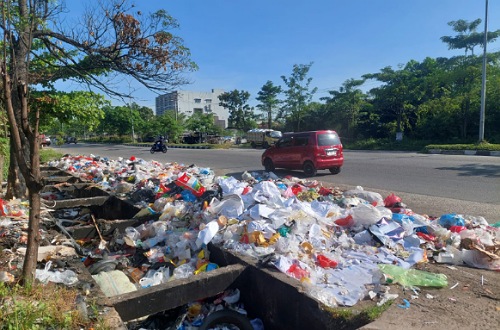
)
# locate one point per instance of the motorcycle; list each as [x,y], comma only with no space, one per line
[157,147]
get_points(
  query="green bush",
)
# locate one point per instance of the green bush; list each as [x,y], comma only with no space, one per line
[478,146]
[385,144]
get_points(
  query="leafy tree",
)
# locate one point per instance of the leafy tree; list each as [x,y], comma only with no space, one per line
[390,98]
[37,50]
[74,109]
[241,115]
[268,98]
[298,94]
[467,37]
[203,122]
[468,70]
[345,105]
[316,117]
[118,120]
[171,127]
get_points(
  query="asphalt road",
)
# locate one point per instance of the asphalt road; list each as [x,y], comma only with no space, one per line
[431,184]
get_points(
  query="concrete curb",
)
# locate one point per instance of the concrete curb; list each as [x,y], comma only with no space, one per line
[465,152]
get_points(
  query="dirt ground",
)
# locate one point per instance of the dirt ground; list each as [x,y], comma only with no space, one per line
[471,301]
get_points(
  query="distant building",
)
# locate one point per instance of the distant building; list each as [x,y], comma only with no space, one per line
[190,102]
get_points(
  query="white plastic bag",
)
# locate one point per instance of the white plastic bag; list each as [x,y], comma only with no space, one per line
[67,277]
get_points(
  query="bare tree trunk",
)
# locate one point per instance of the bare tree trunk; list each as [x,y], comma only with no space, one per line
[29,266]
[16,185]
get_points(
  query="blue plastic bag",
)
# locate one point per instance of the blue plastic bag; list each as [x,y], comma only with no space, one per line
[451,219]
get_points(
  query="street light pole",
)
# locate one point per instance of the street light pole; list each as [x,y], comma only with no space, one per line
[483,85]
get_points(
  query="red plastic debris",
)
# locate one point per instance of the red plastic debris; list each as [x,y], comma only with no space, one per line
[391,200]
[326,262]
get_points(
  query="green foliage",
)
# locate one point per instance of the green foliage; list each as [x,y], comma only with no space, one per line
[56,108]
[204,123]
[43,307]
[241,115]
[485,146]
[344,106]
[385,144]
[351,318]
[49,154]
[298,95]
[269,102]
[467,37]
[169,127]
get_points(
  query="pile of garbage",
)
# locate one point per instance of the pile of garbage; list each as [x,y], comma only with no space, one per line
[342,246]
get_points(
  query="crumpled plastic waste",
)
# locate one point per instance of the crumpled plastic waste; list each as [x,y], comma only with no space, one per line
[66,277]
[413,277]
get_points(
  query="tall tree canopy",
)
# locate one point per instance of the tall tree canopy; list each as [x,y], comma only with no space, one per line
[298,94]
[241,115]
[38,49]
[269,102]
[468,38]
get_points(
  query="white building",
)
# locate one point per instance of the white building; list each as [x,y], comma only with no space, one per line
[190,102]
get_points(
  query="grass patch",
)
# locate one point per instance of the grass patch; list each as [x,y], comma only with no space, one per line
[48,154]
[42,307]
[351,318]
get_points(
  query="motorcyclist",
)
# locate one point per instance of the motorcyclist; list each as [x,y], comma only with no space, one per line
[159,141]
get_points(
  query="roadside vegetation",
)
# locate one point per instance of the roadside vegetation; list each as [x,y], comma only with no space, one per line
[45,307]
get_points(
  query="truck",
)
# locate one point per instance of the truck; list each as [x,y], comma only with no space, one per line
[262,137]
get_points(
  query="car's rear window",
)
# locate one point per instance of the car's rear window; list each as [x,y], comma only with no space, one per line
[328,139]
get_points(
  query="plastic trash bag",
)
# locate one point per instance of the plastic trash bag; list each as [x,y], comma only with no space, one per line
[67,277]
[392,200]
[184,271]
[369,196]
[365,215]
[413,277]
[451,219]
[114,283]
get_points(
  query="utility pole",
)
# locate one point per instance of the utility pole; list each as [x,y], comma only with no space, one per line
[483,85]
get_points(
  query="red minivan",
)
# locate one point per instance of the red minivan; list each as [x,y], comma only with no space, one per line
[309,151]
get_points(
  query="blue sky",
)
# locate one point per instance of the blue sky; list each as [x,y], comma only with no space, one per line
[240,44]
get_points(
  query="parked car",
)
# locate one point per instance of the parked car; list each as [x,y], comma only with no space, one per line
[310,151]
[45,140]
[70,139]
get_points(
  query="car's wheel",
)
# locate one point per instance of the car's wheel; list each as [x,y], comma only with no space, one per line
[252,144]
[268,165]
[226,319]
[152,150]
[265,145]
[309,169]
[335,170]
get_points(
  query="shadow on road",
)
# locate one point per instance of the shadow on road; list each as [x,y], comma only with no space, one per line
[489,171]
